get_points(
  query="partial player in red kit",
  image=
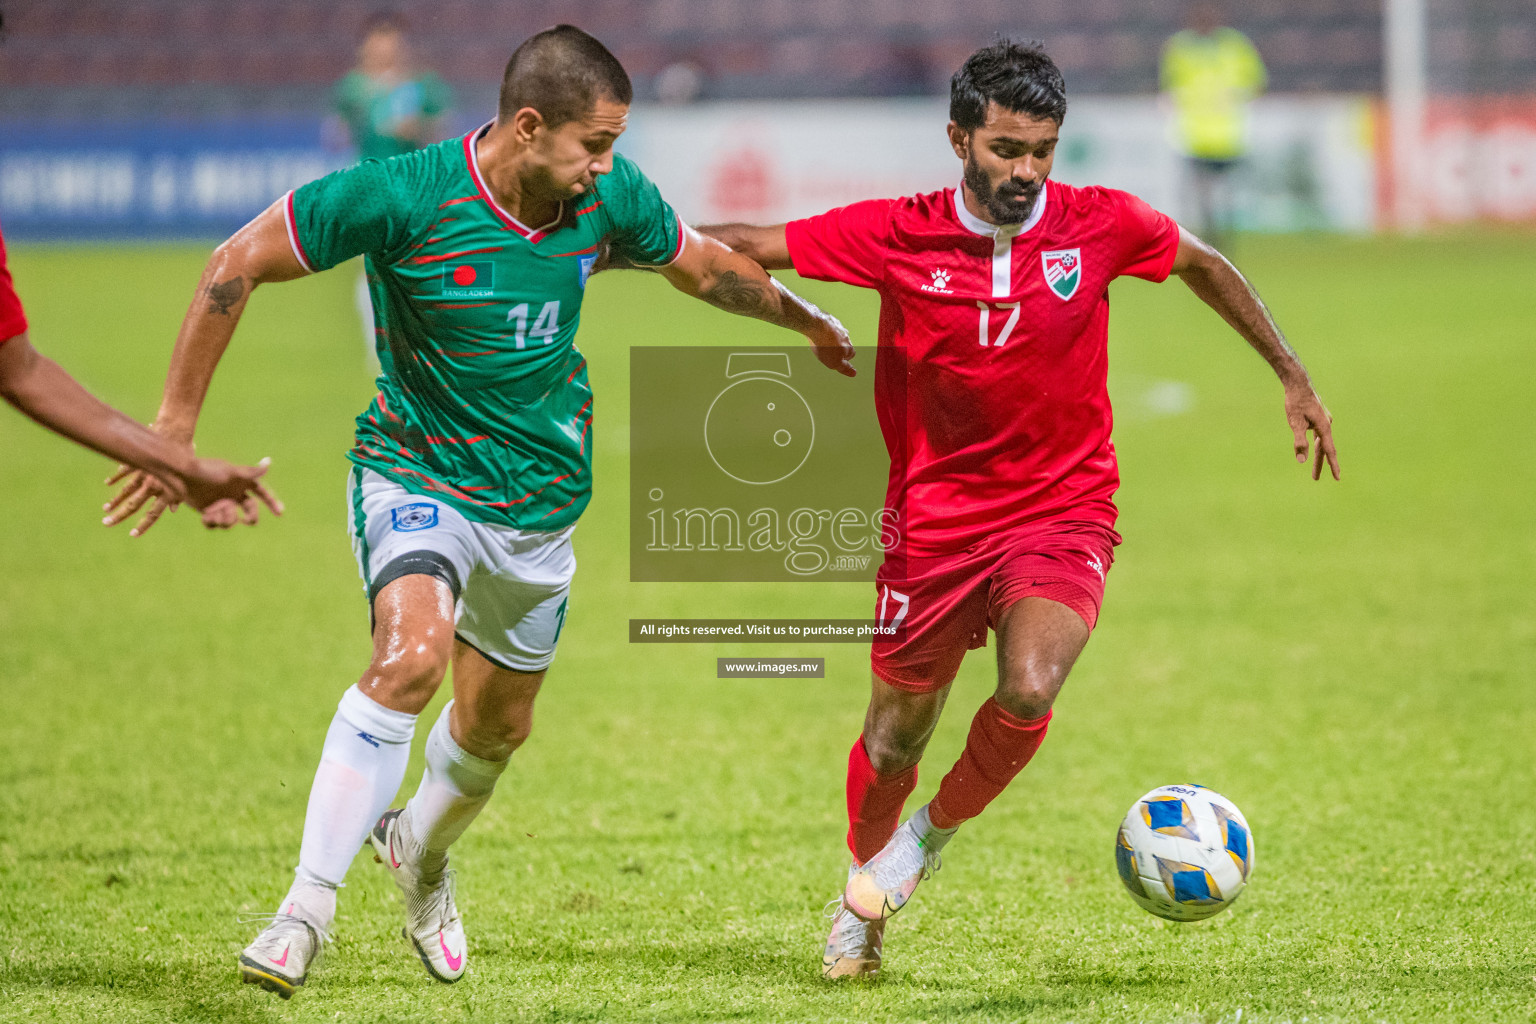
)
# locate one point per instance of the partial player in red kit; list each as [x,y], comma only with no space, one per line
[37,386]
[991,391]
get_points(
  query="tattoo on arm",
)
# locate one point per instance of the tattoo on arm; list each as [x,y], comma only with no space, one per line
[735,295]
[223,296]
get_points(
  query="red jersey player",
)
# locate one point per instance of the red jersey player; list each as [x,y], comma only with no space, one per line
[990,387]
[40,388]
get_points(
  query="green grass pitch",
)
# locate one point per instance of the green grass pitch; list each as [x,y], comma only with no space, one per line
[1354,664]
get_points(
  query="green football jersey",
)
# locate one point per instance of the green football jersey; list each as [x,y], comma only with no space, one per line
[483,396]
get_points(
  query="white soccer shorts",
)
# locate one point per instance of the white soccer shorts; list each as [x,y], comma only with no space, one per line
[510,586]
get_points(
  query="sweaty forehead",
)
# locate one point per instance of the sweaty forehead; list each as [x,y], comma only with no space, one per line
[607,116]
[1002,123]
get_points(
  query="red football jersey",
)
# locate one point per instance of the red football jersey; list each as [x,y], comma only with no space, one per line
[991,376]
[12,322]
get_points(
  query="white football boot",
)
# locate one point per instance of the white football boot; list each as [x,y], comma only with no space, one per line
[432,922]
[888,879]
[853,947]
[279,958]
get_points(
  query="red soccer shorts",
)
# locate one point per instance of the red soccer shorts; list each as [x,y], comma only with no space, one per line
[946,603]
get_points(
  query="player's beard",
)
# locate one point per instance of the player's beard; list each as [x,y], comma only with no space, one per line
[1003,203]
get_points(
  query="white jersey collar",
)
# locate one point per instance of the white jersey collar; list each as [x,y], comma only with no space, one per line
[533,234]
[977,226]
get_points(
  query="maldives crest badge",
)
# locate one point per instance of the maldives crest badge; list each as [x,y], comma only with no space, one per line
[1063,271]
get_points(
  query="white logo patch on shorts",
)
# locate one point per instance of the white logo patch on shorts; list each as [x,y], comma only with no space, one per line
[418,516]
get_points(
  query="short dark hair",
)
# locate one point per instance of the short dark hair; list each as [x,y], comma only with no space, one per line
[1016,76]
[562,72]
[384,21]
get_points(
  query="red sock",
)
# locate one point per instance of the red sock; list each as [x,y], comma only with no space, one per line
[874,802]
[998,748]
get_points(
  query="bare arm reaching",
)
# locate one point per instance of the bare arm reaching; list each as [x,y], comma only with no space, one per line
[709,270]
[41,389]
[1219,285]
[765,245]
[254,255]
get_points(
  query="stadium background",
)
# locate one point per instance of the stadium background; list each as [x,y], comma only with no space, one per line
[1353,665]
[178,116]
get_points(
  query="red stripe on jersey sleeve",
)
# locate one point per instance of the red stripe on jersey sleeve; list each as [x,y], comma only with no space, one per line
[682,242]
[292,223]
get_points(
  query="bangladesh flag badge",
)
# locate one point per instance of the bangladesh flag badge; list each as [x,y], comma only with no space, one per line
[1063,271]
[472,280]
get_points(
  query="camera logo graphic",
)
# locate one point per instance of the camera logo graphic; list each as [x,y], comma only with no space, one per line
[759,430]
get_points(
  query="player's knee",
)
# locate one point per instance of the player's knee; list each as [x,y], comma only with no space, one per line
[411,670]
[890,750]
[1029,694]
[494,737]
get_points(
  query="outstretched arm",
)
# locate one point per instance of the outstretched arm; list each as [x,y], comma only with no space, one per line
[709,270]
[765,245]
[1219,285]
[41,389]
[254,255]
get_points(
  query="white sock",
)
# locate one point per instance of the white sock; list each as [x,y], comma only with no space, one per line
[310,900]
[930,837]
[455,786]
[361,768]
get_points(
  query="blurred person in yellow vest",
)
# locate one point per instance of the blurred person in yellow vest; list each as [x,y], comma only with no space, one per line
[1211,72]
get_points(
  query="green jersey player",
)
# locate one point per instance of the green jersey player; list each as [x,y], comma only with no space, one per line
[388,105]
[473,464]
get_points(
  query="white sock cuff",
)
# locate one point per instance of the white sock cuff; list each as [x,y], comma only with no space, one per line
[367,715]
[924,825]
[303,877]
[462,766]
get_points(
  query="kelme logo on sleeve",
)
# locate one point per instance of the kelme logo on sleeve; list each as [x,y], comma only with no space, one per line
[468,280]
[1063,270]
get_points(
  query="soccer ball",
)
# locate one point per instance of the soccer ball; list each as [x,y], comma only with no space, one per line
[1184,852]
